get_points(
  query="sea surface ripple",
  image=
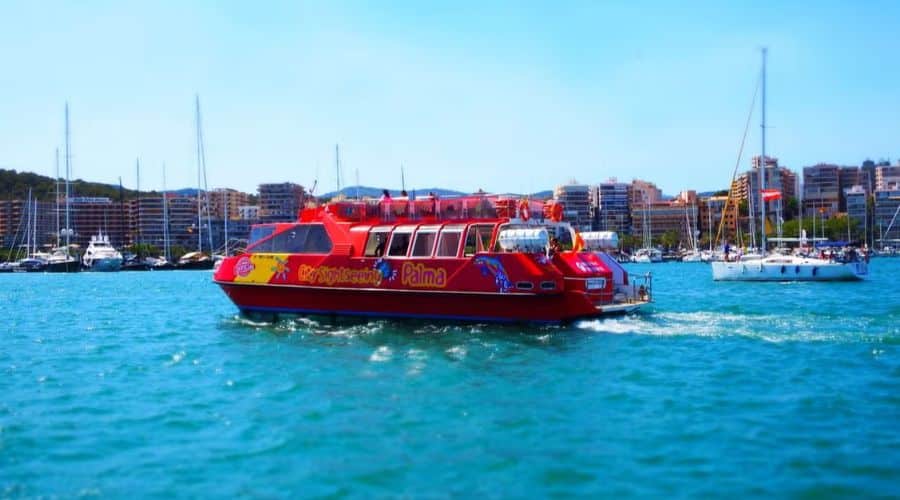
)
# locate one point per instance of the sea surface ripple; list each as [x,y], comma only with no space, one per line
[150,383]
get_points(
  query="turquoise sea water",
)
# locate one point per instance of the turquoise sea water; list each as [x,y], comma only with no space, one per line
[149,384]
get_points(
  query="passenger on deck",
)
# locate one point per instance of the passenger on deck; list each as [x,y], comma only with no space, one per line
[379,249]
[385,203]
[555,247]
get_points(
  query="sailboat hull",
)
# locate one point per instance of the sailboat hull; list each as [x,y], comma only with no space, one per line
[813,270]
[71,266]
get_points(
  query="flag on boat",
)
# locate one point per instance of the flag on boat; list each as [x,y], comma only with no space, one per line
[579,243]
[771,194]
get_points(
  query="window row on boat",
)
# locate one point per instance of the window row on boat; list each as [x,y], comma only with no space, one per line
[442,241]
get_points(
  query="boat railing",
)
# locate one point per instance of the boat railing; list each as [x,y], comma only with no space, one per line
[429,208]
[638,290]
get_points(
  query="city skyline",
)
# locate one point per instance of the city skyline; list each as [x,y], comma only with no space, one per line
[507,98]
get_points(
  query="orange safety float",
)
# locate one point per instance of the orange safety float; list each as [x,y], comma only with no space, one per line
[556,212]
[524,210]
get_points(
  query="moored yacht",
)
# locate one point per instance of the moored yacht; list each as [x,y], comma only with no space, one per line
[790,268]
[101,255]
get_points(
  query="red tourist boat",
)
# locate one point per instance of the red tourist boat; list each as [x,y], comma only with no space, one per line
[473,258]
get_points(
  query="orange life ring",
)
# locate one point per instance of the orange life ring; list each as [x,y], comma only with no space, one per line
[524,210]
[556,211]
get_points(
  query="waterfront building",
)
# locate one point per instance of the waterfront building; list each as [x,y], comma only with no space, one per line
[777,177]
[248,212]
[856,199]
[576,201]
[13,226]
[611,204]
[91,215]
[887,177]
[850,177]
[225,198]
[886,222]
[643,192]
[711,215]
[679,215]
[281,202]
[821,190]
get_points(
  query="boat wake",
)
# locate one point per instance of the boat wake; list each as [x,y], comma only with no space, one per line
[768,328]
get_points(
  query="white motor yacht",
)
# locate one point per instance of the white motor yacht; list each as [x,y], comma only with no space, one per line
[101,256]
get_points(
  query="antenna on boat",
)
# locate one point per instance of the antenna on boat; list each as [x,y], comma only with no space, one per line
[402,178]
[337,167]
[357,184]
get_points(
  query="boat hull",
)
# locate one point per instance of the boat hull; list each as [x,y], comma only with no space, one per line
[758,270]
[201,265]
[70,266]
[461,306]
[110,264]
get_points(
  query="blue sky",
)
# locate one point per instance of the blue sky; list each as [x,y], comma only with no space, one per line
[513,96]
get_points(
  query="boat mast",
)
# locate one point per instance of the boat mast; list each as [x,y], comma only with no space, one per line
[137,164]
[202,187]
[165,215]
[225,196]
[68,175]
[762,166]
[56,183]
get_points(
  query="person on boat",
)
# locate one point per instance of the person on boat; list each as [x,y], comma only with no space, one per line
[379,248]
[727,251]
[555,247]
[385,203]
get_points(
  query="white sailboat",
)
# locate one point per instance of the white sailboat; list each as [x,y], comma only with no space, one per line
[61,259]
[778,267]
[199,260]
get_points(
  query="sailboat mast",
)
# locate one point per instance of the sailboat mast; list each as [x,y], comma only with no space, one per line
[165,215]
[137,164]
[225,196]
[56,183]
[762,165]
[68,175]
[199,175]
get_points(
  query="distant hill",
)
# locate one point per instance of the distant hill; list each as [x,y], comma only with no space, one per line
[14,186]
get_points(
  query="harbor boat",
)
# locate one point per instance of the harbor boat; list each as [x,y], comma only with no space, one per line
[790,268]
[100,255]
[60,260]
[477,258]
[194,261]
[774,266]
[647,256]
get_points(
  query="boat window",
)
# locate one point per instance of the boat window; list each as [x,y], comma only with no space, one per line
[448,241]
[424,242]
[258,233]
[317,240]
[298,239]
[376,242]
[399,244]
[478,239]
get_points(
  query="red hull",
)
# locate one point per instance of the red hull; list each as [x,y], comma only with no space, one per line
[412,304]
[339,260]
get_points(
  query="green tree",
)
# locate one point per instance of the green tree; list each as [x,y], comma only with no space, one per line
[670,239]
[628,242]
